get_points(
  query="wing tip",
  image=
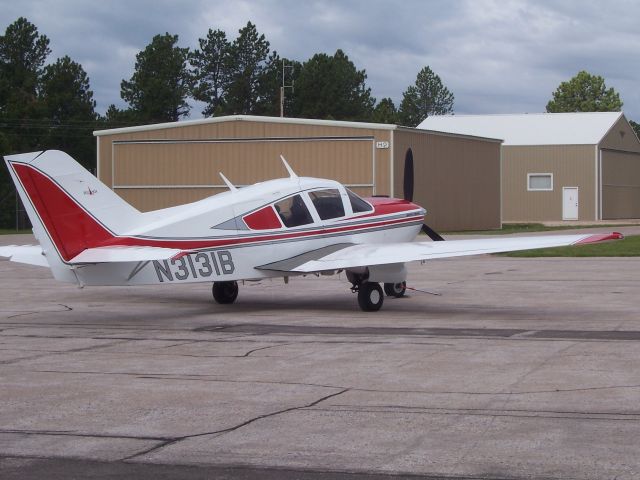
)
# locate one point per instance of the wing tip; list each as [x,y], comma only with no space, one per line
[600,237]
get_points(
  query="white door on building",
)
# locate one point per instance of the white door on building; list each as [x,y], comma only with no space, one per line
[570,203]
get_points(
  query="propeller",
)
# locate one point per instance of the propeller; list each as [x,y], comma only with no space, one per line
[433,235]
[407,184]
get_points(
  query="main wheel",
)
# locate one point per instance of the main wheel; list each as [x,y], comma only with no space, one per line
[370,296]
[225,292]
[395,289]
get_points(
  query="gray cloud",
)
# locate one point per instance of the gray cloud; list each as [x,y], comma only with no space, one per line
[496,56]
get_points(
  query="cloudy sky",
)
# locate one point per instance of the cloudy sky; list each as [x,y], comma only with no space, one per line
[497,56]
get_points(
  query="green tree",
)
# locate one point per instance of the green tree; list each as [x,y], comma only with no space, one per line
[584,93]
[68,105]
[211,71]
[385,112]
[161,83]
[249,61]
[428,96]
[23,52]
[331,87]
[115,117]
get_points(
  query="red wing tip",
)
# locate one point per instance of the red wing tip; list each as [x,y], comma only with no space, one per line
[600,237]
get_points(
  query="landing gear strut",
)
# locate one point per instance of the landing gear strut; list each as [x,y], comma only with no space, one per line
[225,292]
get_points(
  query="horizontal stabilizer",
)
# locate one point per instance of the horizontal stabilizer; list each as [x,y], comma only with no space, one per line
[124,254]
[30,254]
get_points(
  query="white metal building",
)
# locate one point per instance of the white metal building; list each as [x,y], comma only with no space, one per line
[560,166]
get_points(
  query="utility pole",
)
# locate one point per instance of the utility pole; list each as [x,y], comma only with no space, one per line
[285,67]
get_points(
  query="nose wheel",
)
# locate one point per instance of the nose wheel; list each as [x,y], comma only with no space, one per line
[370,296]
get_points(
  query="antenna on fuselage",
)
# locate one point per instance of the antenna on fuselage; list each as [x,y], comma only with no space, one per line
[227,182]
[292,174]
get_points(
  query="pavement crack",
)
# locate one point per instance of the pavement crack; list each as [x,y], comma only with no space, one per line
[23,314]
[268,415]
[265,348]
[62,352]
[169,442]
[152,449]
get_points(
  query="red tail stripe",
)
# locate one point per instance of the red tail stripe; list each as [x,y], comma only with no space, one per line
[71,229]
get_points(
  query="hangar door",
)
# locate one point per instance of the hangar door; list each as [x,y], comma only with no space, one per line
[620,184]
[153,174]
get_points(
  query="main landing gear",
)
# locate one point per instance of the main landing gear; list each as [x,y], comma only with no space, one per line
[370,296]
[225,292]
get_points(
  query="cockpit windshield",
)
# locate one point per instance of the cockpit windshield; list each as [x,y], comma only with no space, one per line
[328,203]
[358,205]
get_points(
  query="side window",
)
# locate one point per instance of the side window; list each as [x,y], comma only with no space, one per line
[293,212]
[358,205]
[328,203]
[263,219]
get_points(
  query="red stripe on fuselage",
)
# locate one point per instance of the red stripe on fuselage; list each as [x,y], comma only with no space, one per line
[230,242]
[73,229]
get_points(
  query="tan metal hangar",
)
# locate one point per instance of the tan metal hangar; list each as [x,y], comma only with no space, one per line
[455,177]
[560,166]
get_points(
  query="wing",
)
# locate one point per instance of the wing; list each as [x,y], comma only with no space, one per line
[350,256]
[32,254]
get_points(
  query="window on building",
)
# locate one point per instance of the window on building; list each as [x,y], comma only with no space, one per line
[328,203]
[358,205]
[540,182]
[293,212]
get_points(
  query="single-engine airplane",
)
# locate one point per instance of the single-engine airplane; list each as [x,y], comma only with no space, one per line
[88,235]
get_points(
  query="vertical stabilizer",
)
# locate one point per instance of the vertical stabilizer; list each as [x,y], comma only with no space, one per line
[70,209]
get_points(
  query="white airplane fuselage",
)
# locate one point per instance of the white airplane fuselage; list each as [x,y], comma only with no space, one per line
[225,237]
[232,255]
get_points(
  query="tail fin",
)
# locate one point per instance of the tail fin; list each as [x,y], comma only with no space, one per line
[70,209]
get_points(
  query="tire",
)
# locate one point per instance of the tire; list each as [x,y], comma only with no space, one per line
[225,292]
[370,296]
[395,289]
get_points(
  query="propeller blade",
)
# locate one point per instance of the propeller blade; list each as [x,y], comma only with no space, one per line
[433,235]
